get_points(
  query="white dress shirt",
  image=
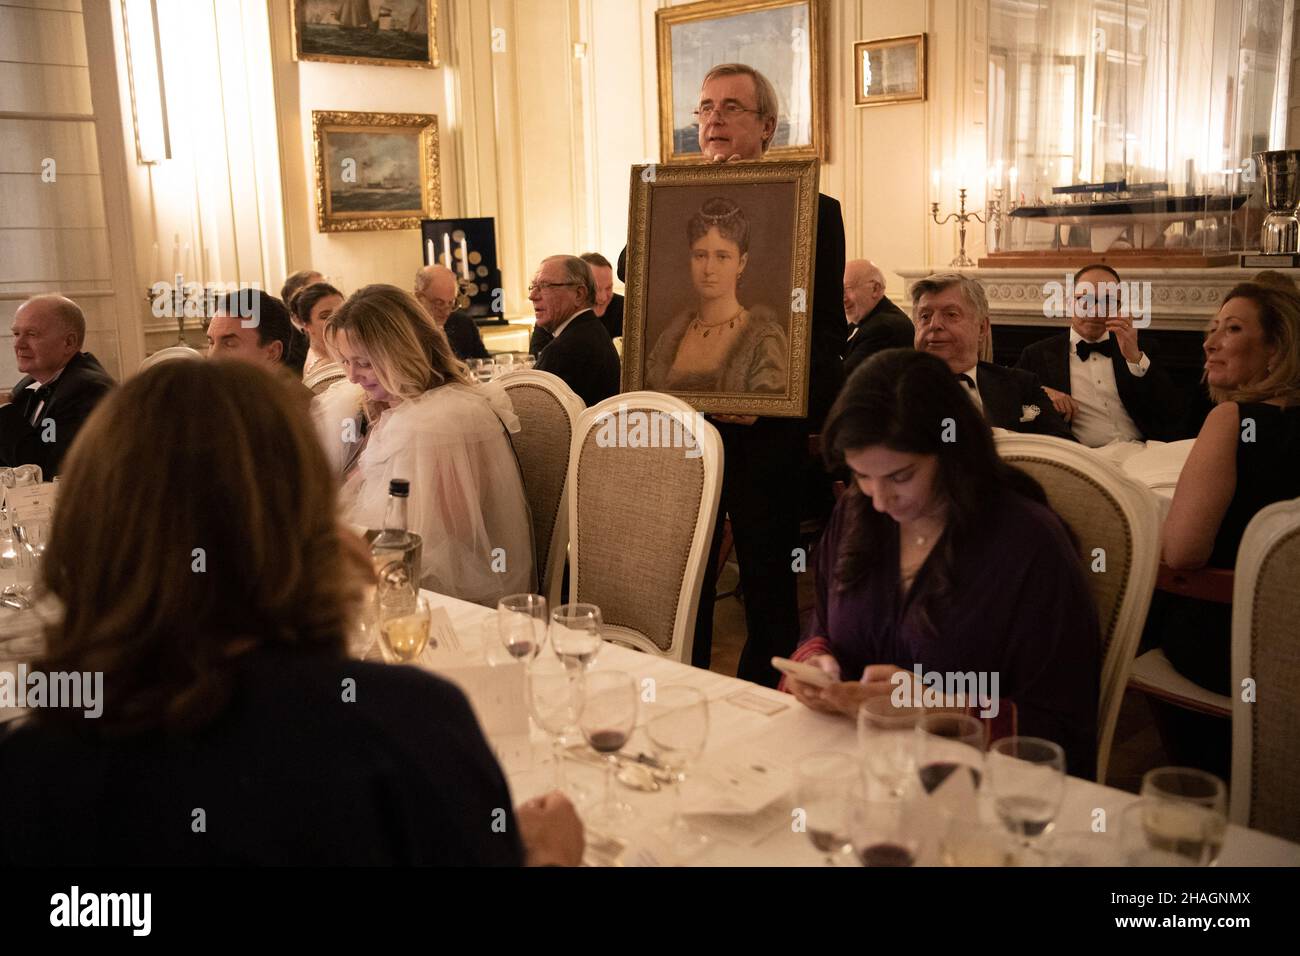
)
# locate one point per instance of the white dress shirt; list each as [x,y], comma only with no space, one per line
[973,390]
[1101,417]
[565,324]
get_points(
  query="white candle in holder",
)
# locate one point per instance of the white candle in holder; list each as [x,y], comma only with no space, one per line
[464,259]
[428,252]
[446,250]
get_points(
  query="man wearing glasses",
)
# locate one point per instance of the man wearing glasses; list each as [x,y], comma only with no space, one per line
[437,290]
[768,473]
[579,349]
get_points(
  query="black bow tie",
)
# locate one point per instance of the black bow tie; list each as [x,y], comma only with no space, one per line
[966,379]
[1087,348]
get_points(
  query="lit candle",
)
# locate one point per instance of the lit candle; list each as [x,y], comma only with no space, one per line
[1013,175]
[176,253]
[428,252]
[934,178]
[995,175]
[446,250]
[189,261]
[154,264]
[464,259]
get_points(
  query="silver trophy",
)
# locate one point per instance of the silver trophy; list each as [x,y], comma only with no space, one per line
[1280,171]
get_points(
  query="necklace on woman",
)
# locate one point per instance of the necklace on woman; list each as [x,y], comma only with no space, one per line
[730,323]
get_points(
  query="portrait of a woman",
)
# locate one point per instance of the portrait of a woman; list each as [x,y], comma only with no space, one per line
[722,344]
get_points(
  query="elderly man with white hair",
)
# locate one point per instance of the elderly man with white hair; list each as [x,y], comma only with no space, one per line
[60,387]
[875,323]
[437,290]
[579,350]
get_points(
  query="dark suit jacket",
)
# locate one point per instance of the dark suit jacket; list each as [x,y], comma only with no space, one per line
[464,336]
[71,399]
[1151,400]
[1005,392]
[884,327]
[612,320]
[584,356]
[539,340]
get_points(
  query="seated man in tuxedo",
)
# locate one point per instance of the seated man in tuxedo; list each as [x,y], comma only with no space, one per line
[951,314]
[579,351]
[1099,376]
[60,387]
[875,323]
[436,289]
[609,304]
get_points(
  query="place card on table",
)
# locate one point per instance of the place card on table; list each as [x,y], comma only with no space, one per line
[31,502]
[753,700]
[738,782]
[497,696]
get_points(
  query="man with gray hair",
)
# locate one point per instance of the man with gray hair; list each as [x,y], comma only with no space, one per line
[875,323]
[578,350]
[60,387]
[951,314]
[437,290]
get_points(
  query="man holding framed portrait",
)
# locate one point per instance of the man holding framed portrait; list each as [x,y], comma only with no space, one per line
[753,337]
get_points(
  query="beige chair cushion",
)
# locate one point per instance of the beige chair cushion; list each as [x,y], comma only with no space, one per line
[1275,652]
[542,444]
[1097,521]
[637,511]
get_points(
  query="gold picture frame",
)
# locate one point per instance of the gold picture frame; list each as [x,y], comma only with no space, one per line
[375,170]
[320,32]
[788,37]
[756,222]
[899,70]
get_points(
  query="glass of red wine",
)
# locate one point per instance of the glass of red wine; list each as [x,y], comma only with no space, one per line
[883,831]
[1026,776]
[947,742]
[825,783]
[521,625]
[607,720]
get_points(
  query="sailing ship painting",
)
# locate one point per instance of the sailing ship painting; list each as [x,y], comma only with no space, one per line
[383,32]
[375,170]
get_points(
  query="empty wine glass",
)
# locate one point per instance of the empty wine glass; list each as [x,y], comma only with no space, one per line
[576,634]
[883,832]
[1180,828]
[405,629]
[521,625]
[824,783]
[946,741]
[555,699]
[607,720]
[885,741]
[677,724]
[1026,776]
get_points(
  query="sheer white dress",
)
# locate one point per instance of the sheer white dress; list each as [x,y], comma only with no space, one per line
[467,498]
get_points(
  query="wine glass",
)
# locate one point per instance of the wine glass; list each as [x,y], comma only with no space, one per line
[825,783]
[1026,776]
[521,625]
[405,629]
[555,699]
[885,741]
[677,724]
[526,361]
[881,831]
[27,475]
[1157,832]
[576,634]
[1180,788]
[607,720]
[945,742]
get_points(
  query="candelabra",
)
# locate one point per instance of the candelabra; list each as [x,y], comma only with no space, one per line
[177,300]
[962,217]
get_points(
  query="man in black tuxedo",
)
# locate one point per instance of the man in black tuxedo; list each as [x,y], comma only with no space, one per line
[875,323]
[579,350]
[436,289]
[609,304]
[60,387]
[1099,375]
[951,314]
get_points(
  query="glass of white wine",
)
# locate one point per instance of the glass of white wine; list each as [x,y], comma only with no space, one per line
[405,630]
[1190,816]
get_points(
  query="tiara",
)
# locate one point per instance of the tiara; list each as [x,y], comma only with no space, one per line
[732,213]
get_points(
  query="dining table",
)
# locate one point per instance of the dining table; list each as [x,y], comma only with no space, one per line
[751,726]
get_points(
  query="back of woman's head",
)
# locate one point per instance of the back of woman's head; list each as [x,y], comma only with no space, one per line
[407,350]
[1279,318]
[196,515]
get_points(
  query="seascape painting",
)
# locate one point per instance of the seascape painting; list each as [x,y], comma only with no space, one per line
[383,32]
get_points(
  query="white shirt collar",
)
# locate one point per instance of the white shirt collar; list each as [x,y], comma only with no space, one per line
[565,324]
[1076,338]
[34,384]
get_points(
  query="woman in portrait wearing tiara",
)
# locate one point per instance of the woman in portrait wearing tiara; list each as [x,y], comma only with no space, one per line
[720,345]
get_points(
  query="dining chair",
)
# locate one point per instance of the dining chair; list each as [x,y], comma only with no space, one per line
[1117,523]
[1265,652]
[323,376]
[548,410]
[641,516]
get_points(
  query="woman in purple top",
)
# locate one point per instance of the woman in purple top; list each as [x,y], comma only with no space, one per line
[946,558]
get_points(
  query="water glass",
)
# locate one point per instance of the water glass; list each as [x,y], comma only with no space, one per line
[576,634]
[677,725]
[885,741]
[1183,787]
[1026,776]
[824,784]
[555,700]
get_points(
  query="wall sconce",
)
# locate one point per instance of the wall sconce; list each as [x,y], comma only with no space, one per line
[145,78]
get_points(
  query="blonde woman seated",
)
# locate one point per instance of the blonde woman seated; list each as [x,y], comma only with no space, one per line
[720,345]
[427,423]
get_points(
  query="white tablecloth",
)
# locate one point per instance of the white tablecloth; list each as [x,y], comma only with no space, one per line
[783,737]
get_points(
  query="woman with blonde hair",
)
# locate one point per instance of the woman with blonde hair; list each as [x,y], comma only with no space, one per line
[209,588]
[428,423]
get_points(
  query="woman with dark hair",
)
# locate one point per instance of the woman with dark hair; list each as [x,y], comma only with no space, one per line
[215,599]
[721,345]
[942,556]
[312,306]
